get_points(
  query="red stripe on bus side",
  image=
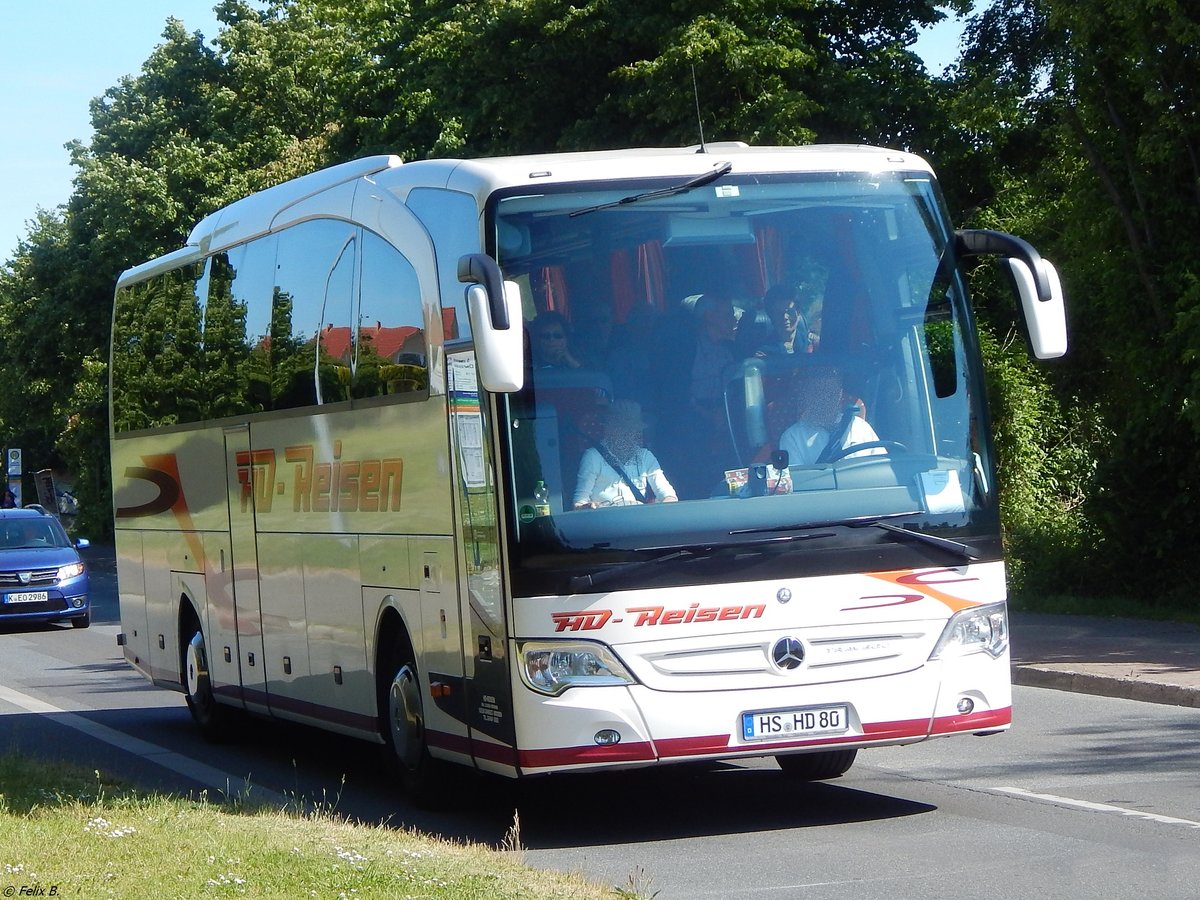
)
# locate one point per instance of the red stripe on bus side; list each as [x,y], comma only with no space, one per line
[455,743]
[300,707]
[639,751]
[993,718]
[497,753]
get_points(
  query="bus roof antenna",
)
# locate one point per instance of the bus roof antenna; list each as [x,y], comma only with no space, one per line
[699,121]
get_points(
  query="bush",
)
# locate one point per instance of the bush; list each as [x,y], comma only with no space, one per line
[1045,451]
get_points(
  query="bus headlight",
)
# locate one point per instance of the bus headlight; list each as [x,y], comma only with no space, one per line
[551,668]
[981,628]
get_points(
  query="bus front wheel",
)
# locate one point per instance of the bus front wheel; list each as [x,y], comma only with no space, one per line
[406,726]
[816,766]
[421,775]
[211,717]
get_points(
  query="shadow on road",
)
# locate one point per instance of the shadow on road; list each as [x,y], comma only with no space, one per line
[349,778]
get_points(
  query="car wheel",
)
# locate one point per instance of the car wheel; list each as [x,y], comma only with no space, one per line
[816,766]
[82,621]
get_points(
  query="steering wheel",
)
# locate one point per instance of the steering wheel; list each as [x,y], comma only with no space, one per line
[889,446]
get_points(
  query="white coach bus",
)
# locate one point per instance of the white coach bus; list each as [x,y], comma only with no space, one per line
[395,447]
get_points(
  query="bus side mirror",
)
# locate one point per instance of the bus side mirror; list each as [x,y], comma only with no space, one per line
[1045,319]
[494,307]
[1043,306]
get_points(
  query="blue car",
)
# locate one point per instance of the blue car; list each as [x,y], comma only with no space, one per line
[42,578]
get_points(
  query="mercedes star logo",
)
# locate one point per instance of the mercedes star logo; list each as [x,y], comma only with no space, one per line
[788,653]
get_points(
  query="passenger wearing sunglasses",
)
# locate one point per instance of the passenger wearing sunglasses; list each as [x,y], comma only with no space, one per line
[550,338]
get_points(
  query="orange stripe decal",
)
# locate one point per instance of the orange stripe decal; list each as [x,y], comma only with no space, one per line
[923,579]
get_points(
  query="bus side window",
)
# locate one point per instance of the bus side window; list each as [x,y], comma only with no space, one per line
[156,364]
[313,284]
[390,351]
[237,326]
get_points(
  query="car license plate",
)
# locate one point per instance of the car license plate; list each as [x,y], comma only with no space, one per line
[793,723]
[28,597]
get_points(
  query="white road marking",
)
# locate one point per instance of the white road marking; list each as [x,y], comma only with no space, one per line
[212,778]
[1096,807]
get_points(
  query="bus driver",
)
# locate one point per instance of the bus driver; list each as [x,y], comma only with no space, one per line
[824,415]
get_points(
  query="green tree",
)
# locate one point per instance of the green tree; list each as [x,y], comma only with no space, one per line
[40,349]
[197,127]
[1098,109]
[509,76]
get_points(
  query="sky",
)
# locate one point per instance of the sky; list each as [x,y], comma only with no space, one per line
[57,55]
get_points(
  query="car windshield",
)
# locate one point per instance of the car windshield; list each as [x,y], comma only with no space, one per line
[31,533]
[756,356]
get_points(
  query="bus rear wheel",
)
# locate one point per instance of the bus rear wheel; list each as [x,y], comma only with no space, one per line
[422,776]
[816,766]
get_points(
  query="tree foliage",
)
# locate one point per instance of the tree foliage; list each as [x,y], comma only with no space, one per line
[1074,125]
[1096,115]
[198,127]
[509,76]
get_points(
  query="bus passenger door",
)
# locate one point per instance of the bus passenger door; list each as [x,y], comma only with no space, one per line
[482,607]
[247,477]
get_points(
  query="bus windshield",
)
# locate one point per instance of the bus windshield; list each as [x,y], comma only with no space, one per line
[749,366]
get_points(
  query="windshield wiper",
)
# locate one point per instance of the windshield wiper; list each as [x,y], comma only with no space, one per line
[957,547]
[580,583]
[699,181]
[966,551]
[852,522]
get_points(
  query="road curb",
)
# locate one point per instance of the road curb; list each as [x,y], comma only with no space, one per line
[1107,686]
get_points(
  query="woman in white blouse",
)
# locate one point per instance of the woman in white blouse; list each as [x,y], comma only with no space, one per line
[619,470]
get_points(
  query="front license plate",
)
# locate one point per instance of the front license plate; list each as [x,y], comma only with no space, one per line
[792,723]
[28,597]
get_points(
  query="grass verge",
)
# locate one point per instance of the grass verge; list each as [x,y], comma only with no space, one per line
[69,833]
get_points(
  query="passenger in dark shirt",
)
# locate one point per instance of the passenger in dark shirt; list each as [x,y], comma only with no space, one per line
[789,329]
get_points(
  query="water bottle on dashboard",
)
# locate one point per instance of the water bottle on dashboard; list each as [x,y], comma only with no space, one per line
[541,500]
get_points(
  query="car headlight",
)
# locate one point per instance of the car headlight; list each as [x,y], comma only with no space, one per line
[73,570]
[980,628]
[551,668]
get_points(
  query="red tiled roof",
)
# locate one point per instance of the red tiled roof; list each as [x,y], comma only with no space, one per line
[389,342]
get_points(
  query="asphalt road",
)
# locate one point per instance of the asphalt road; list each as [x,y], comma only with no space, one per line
[1086,797]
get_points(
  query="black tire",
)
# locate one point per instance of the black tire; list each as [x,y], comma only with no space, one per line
[83,621]
[423,778]
[214,720]
[817,766]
